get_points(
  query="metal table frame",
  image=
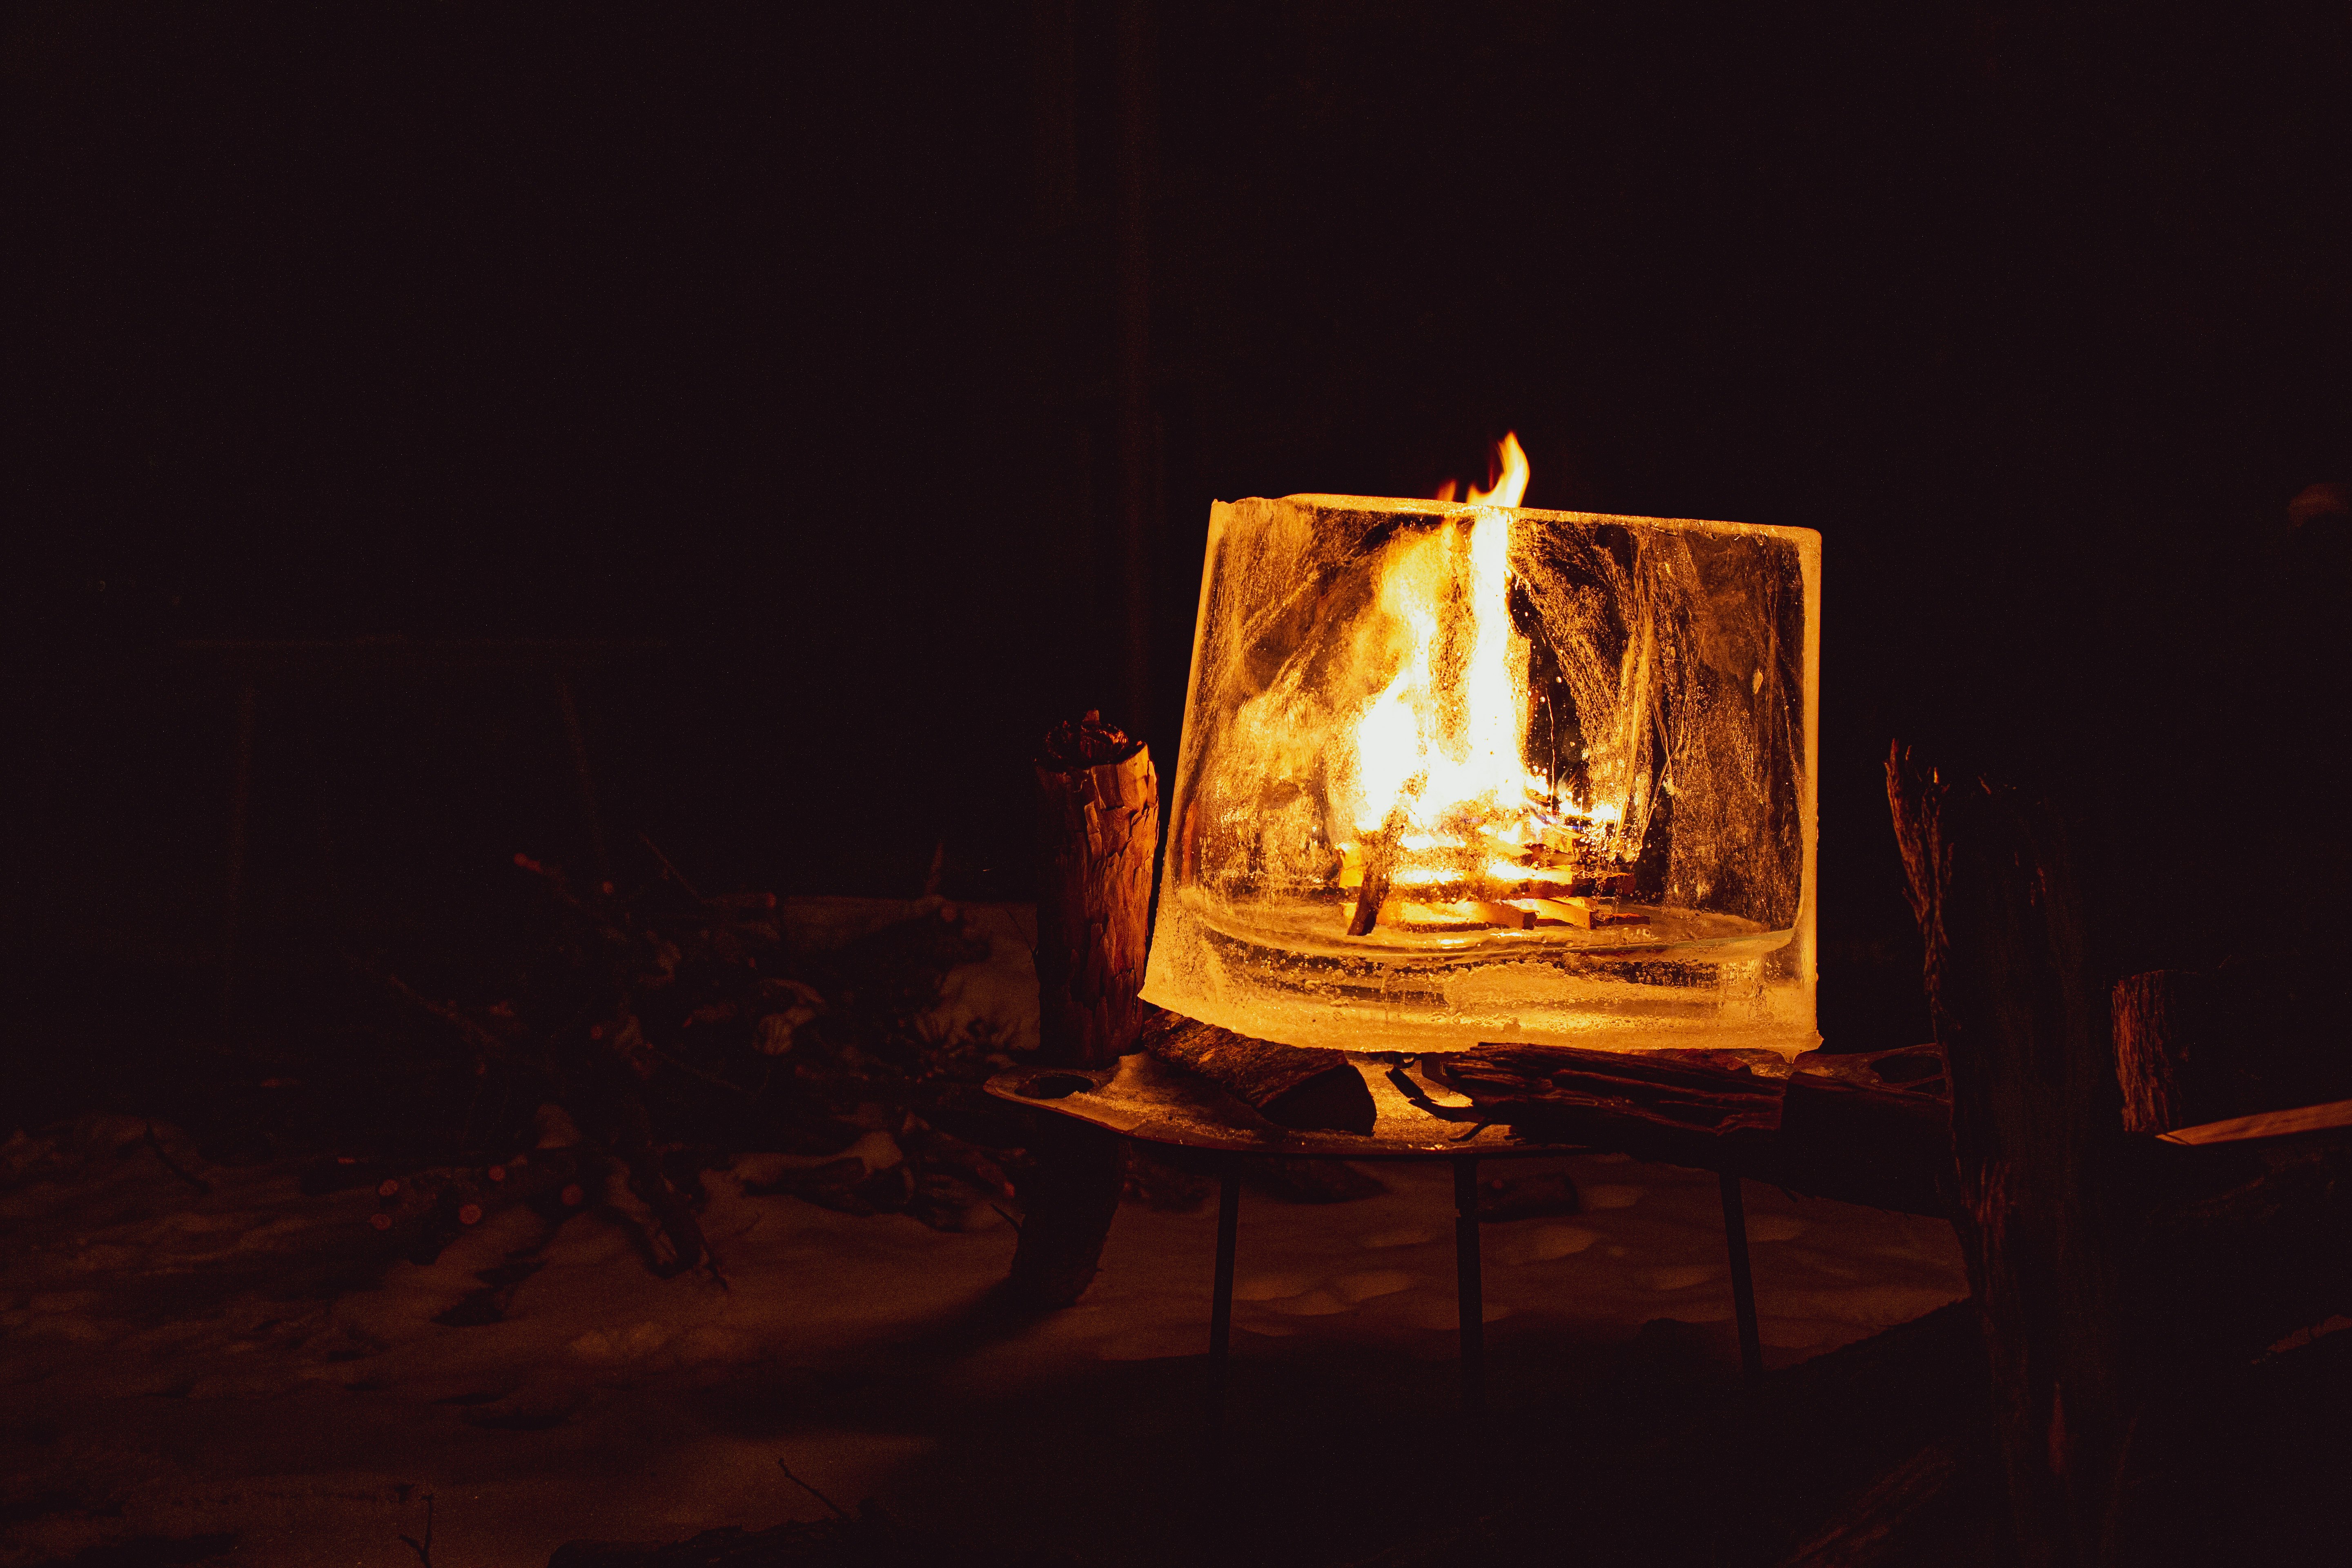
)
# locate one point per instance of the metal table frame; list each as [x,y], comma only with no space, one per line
[1140,1100]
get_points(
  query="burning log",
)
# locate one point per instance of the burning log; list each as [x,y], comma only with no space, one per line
[1378,858]
[1298,1087]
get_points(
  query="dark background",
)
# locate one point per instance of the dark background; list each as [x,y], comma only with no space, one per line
[792,340]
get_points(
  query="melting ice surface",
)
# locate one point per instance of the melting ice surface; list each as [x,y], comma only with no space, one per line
[1459,715]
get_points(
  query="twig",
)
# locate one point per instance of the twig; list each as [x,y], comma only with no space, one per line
[204,1188]
[424,1549]
[811,1490]
[671,871]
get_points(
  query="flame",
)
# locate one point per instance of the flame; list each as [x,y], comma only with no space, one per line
[1445,734]
[1439,779]
[1512,486]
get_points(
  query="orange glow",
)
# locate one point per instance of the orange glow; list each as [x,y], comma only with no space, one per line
[1436,783]
[1511,484]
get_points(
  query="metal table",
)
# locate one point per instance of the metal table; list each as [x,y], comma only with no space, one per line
[1416,1118]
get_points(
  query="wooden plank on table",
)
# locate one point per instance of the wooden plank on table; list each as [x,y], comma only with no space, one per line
[2266,1124]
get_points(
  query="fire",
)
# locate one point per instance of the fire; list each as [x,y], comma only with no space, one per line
[1511,483]
[1438,789]
[1512,486]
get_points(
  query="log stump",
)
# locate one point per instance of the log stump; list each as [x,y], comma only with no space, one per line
[2036,1119]
[1097,831]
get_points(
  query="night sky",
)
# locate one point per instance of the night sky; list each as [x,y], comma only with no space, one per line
[788,343]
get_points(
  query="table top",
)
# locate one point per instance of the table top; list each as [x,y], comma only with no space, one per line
[1414,1117]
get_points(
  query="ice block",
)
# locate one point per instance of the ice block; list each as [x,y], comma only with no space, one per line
[1459,773]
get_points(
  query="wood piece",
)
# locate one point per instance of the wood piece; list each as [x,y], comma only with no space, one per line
[2151,1049]
[2250,1036]
[2332,1115]
[1098,827]
[1509,917]
[1593,913]
[1302,1088]
[1379,852]
[1571,1092]
[2035,1109]
[1873,1128]
[1405,914]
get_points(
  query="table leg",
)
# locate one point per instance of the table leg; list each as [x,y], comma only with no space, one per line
[1743,1284]
[1469,1287]
[1221,1306]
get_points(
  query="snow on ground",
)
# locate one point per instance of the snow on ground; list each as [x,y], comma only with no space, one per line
[245,1363]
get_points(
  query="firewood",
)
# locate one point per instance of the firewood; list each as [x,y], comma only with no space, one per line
[1571,1094]
[1510,916]
[1829,1127]
[1290,1086]
[1595,913]
[1099,829]
[1378,853]
[1405,914]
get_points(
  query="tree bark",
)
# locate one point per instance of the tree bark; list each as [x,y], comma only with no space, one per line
[2161,1060]
[2036,1142]
[1097,830]
[2194,1046]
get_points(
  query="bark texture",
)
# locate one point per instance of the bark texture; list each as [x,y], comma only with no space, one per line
[2036,1136]
[1296,1086]
[1097,830]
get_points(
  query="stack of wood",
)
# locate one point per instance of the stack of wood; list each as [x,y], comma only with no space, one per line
[1869,1128]
[1476,880]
